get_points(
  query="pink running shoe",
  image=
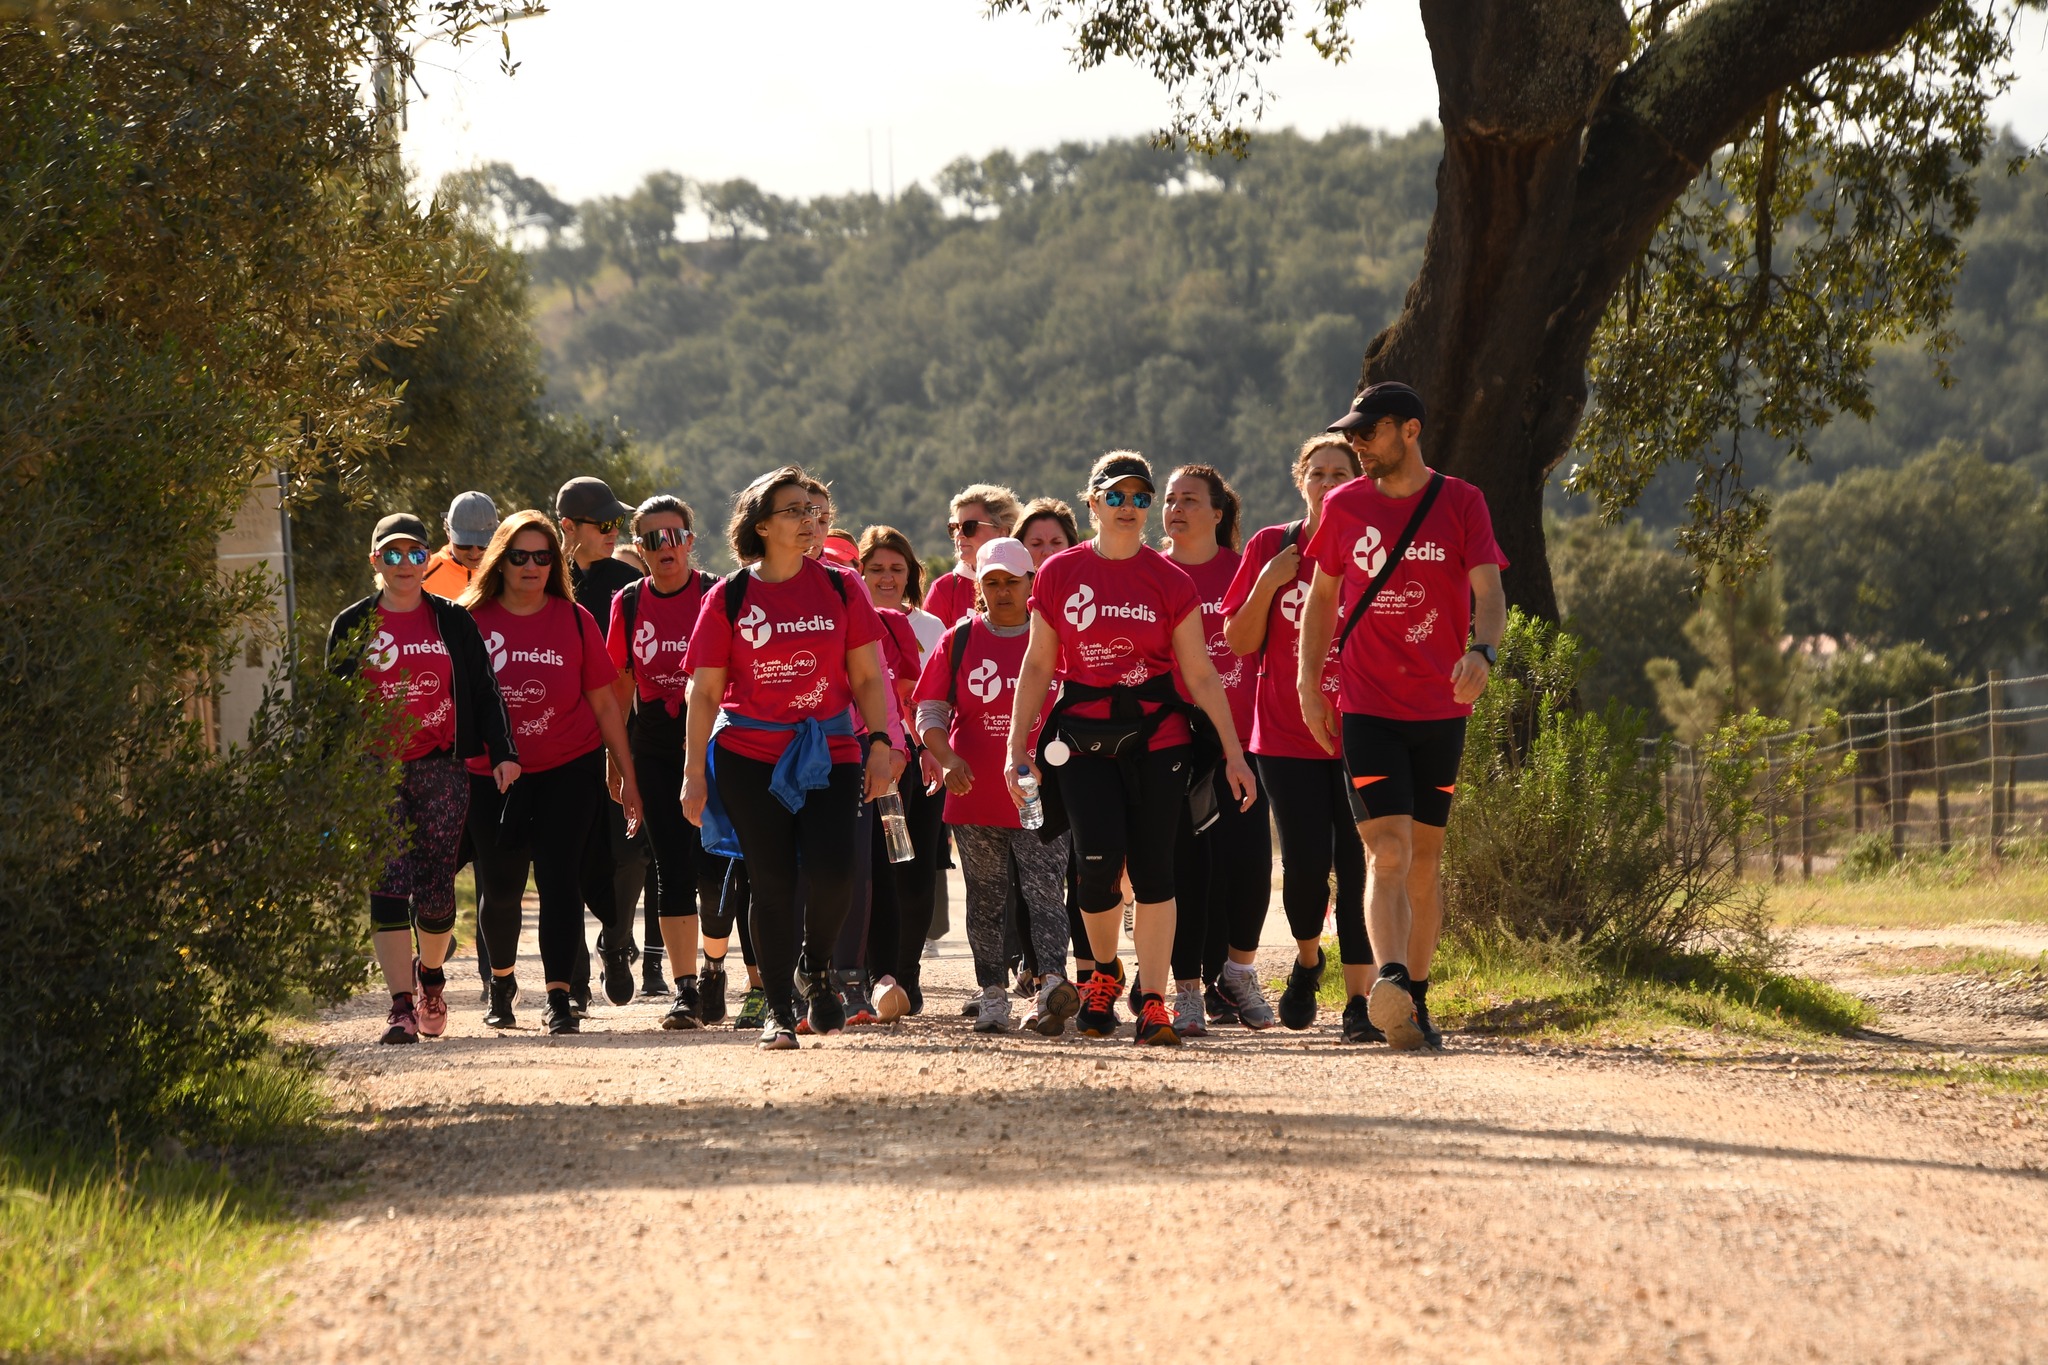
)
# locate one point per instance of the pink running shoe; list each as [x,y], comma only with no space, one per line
[432,1009]
[402,1024]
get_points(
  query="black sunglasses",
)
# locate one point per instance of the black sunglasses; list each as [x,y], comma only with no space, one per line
[522,558]
[970,527]
[604,528]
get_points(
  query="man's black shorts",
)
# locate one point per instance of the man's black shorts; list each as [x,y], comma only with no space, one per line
[1404,767]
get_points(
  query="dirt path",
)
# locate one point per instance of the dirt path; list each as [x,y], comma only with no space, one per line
[922,1195]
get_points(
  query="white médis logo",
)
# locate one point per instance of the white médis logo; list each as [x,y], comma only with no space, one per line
[1367,553]
[383,652]
[643,643]
[754,627]
[1080,608]
[495,643]
[985,681]
[1292,601]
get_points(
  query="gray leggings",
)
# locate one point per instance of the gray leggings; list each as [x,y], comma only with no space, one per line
[986,854]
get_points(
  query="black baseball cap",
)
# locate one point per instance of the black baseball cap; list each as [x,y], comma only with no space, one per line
[1123,467]
[1390,398]
[588,499]
[398,526]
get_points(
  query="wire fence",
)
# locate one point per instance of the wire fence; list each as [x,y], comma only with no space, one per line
[1957,769]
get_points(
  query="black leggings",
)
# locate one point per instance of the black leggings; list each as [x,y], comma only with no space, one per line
[904,892]
[821,837]
[543,823]
[686,878]
[735,899]
[1313,814]
[1226,876]
[1115,829]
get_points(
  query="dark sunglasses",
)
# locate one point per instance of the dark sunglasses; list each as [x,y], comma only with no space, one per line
[970,527]
[604,528]
[522,558]
[394,558]
[663,537]
[1115,498]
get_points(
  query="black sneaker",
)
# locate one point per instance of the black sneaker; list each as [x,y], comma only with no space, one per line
[711,992]
[1358,1025]
[1298,1001]
[1219,1010]
[560,1016]
[778,1029]
[1432,1036]
[915,991]
[618,974]
[826,1014]
[1097,1016]
[1393,1009]
[684,1012]
[503,990]
[652,982]
[579,1000]
[754,1010]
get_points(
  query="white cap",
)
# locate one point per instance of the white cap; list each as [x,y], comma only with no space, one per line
[1006,553]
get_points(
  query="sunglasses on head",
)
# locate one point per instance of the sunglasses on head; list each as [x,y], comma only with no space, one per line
[662,537]
[604,528]
[1116,497]
[522,558]
[394,558]
[970,527]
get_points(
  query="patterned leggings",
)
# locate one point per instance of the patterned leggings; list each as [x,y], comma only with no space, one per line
[986,853]
[418,886]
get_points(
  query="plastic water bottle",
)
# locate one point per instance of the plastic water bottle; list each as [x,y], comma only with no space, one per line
[1032,812]
[895,828]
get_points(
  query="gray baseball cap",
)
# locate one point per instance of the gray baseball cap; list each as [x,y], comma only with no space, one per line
[472,519]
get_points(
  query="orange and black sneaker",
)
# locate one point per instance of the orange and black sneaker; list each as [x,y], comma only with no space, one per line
[1155,1025]
[1097,1018]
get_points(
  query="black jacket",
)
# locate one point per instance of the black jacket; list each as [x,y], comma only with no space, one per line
[481,723]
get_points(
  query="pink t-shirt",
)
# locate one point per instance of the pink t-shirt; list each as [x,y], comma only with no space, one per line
[1397,664]
[950,597]
[661,637]
[406,660]
[982,695]
[786,660]
[545,663]
[1115,619]
[1278,730]
[1240,679]
[899,656]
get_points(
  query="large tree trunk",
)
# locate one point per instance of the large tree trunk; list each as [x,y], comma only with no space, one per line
[1558,166]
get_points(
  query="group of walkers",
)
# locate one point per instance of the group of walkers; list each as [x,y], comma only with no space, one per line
[1105,735]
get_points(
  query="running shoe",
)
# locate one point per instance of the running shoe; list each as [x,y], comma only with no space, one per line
[1358,1024]
[1222,1014]
[972,1007]
[931,947]
[618,974]
[1240,992]
[853,990]
[1027,985]
[1057,1002]
[915,990]
[402,1025]
[778,1032]
[433,1003]
[504,990]
[892,1002]
[1298,1001]
[1097,1017]
[579,1000]
[1392,1009]
[1130,917]
[652,982]
[711,992]
[994,1016]
[684,1012]
[1133,996]
[1155,1028]
[827,1013]
[754,1010]
[560,1015]
[1432,1036]
[1189,1020]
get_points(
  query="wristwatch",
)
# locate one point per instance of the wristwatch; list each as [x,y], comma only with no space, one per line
[874,735]
[1486,652]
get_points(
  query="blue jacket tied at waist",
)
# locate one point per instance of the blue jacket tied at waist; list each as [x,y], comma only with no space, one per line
[805,766]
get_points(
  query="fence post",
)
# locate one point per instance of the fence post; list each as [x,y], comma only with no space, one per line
[1940,777]
[1806,831]
[1991,749]
[1894,797]
[1777,811]
[1855,770]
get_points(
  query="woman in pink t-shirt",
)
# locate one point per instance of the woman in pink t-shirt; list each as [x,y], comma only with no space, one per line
[1111,620]
[1304,780]
[556,679]
[1216,935]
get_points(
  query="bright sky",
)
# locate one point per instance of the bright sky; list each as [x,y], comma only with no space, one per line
[788,93]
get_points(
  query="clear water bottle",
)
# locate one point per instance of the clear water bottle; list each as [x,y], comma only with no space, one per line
[895,828]
[1032,812]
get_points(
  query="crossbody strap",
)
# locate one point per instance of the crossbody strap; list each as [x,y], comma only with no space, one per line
[1400,548]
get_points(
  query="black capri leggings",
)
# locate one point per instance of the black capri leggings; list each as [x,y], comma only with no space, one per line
[904,892]
[685,876]
[1115,829]
[1227,875]
[775,841]
[1316,834]
[541,823]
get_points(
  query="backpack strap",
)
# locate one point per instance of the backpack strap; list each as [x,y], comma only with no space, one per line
[735,594]
[629,596]
[1293,536]
[1400,548]
[955,652]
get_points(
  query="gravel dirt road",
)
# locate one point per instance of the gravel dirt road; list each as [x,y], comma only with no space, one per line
[923,1194]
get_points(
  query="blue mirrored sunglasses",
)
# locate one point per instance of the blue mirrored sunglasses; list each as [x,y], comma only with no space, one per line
[1115,498]
[394,558]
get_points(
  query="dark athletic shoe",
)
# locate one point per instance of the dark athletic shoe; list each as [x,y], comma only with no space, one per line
[618,975]
[711,993]
[402,1025]
[652,982]
[827,1013]
[778,1032]
[1155,1026]
[1432,1036]
[560,1015]
[1392,1008]
[853,990]
[1097,1017]
[579,1000]
[503,991]
[684,1012]
[1358,1024]
[1298,1001]
[754,1010]
[1222,1014]
[916,993]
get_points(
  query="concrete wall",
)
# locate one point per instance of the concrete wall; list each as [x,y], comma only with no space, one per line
[258,537]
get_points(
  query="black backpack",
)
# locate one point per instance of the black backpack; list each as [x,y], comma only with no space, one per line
[736,591]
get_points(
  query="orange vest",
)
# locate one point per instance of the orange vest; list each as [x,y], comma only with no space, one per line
[445,576]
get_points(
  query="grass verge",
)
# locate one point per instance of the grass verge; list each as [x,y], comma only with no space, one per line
[1507,987]
[2022,1079]
[160,1255]
[1921,892]
[1950,960]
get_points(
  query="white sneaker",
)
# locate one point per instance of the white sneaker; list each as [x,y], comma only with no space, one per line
[1190,1020]
[931,947]
[1392,1011]
[1241,989]
[994,1014]
[891,1001]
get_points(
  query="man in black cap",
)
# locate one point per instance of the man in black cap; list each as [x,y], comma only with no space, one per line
[614,867]
[1413,552]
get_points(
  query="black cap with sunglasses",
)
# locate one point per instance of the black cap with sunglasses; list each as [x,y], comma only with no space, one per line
[398,526]
[1116,471]
[588,499]
[1390,398]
